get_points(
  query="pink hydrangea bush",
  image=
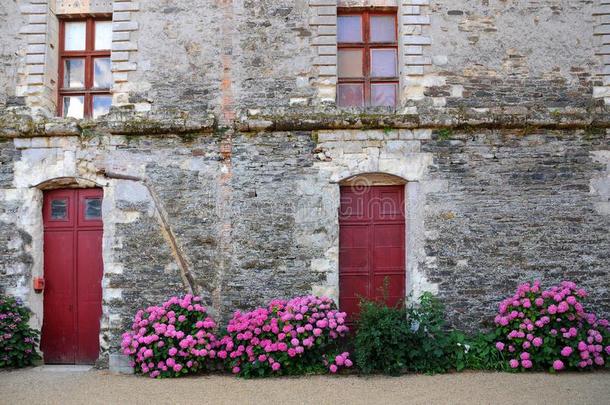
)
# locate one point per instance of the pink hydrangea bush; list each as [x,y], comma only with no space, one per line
[18,341]
[287,337]
[173,339]
[550,329]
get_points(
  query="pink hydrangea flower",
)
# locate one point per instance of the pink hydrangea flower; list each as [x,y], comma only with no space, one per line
[558,365]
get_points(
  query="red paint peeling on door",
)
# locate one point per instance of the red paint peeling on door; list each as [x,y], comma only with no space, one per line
[73,275]
[371,246]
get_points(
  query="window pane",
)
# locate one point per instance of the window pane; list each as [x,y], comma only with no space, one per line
[59,209]
[93,208]
[103,35]
[74,106]
[350,63]
[383,63]
[75,36]
[74,73]
[349,28]
[350,95]
[101,105]
[383,28]
[383,94]
[102,75]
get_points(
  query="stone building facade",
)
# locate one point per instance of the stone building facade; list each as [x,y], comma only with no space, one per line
[222,157]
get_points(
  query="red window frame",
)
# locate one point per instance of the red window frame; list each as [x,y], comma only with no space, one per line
[88,54]
[366,47]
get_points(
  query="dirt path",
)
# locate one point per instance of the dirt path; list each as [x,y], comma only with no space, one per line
[57,386]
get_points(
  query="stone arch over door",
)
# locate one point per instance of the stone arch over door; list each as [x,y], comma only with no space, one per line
[68,182]
[372,179]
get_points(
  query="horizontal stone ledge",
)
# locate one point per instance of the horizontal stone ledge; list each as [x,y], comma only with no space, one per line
[126,121]
[15,125]
[496,118]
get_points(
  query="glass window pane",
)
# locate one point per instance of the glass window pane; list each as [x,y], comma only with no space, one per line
[102,75]
[349,28]
[75,36]
[74,106]
[383,28]
[74,73]
[93,208]
[103,35]
[383,94]
[350,95]
[101,105]
[350,63]
[59,209]
[383,63]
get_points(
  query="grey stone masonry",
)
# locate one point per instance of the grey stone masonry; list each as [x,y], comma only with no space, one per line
[42,36]
[223,156]
[323,25]
[486,209]
[124,50]
[602,35]
[270,54]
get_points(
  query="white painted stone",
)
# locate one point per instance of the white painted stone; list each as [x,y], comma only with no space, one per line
[131,191]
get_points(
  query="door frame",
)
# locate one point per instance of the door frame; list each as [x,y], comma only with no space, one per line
[30,220]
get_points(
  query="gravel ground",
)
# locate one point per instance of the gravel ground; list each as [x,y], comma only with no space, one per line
[48,385]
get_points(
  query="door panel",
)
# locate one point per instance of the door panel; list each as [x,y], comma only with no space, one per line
[354,248]
[59,302]
[371,246]
[59,209]
[89,292]
[352,288]
[353,205]
[73,275]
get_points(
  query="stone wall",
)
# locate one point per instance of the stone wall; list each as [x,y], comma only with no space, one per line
[12,53]
[235,56]
[517,207]
[178,63]
[222,161]
[514,53]
[485,210]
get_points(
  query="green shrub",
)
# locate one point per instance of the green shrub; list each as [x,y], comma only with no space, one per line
[430,346]
[476,352]
[394,340]
[381,338]
[17,340]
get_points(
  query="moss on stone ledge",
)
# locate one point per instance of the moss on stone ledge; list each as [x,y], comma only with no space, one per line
[18,123]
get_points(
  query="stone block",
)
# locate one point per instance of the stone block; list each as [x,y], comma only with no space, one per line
[119,364]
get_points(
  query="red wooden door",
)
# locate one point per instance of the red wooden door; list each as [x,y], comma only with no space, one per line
[371,246]
[73,275]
